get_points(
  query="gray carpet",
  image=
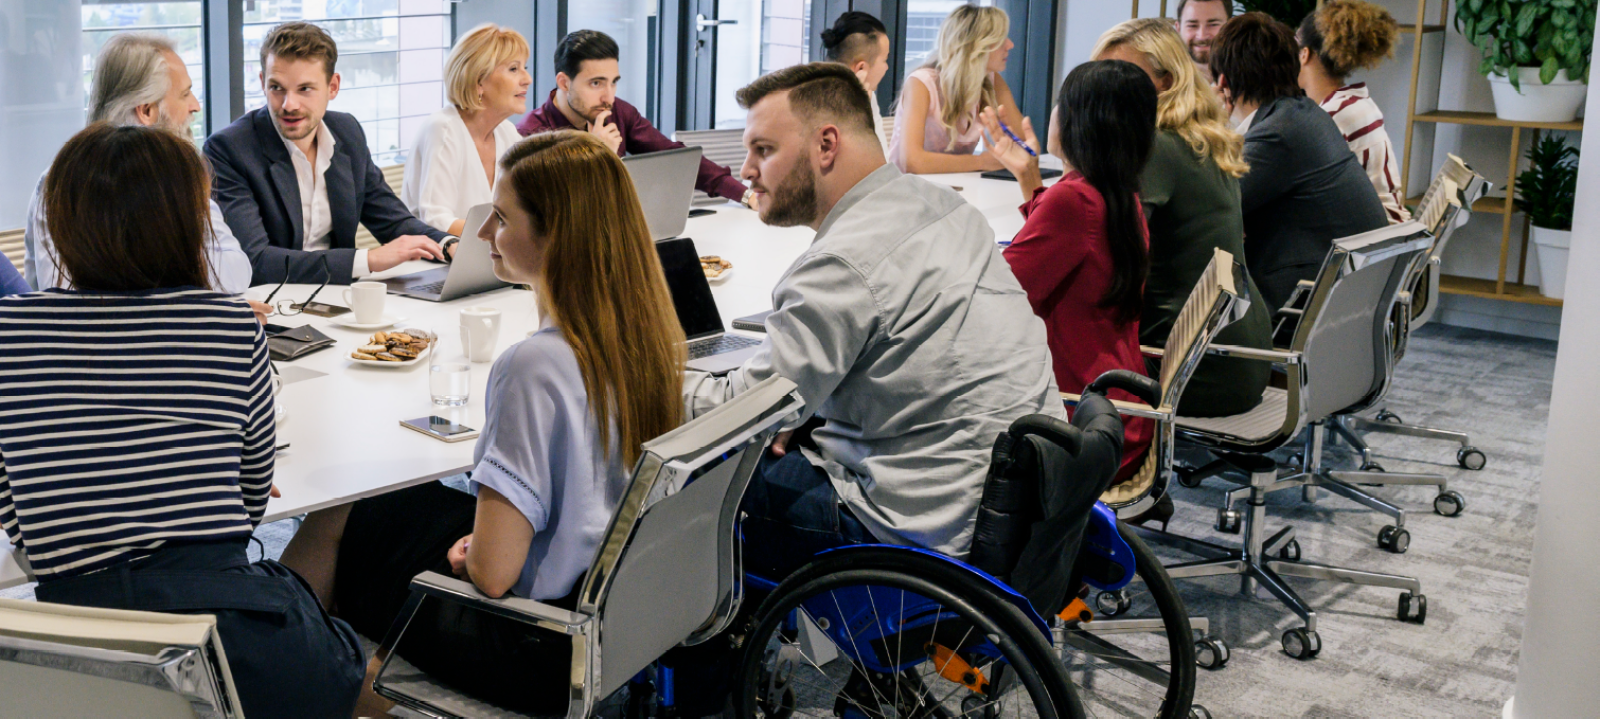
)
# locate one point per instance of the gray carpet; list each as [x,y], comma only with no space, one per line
[1474,568]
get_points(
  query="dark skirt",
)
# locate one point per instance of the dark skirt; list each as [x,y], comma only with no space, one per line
[391,538]
[288,658]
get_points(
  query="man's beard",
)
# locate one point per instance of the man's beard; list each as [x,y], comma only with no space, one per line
[1200,53]
[793,202]
[587,116]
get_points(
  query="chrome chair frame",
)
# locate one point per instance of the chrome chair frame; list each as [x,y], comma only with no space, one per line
[1329,330]
[619,626]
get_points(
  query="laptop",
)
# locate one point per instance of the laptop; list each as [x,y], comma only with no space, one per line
[664,182]
[470,273]
[710,349]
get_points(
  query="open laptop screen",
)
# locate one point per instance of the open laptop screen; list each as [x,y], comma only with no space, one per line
[691,293]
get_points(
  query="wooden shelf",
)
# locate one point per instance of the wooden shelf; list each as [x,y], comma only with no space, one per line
[1489,204]
[1475,287]
[1426,29]
[1456,117]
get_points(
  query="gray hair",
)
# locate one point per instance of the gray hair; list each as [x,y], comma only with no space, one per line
[131,71]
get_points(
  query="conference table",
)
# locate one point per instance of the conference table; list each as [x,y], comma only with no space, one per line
[341,417]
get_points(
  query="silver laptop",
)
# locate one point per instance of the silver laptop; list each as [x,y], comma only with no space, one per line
[665,184]
[710,349]
[469,273]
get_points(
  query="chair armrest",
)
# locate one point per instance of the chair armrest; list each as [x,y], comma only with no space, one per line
[1125,408]
[517,608]
[1274,356]
[1149,351]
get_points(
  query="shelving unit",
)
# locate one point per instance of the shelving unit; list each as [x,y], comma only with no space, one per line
[1499,288]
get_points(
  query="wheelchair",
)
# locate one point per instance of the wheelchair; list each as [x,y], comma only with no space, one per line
[866,631]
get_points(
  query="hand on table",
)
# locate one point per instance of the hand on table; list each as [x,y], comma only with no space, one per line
[403,249]
[262,310]
[608,134]
[458,556]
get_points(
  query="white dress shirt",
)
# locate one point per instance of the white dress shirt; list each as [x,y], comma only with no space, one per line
[230,266]
[444,177]
[314,212]
[877,122]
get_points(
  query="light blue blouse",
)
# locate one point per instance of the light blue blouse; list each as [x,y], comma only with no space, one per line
[540,449]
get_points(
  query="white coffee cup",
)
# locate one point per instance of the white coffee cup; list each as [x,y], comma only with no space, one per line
[366,300]
[480,332]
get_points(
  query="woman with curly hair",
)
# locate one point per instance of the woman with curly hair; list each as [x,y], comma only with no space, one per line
[1190,193]
[1339,38]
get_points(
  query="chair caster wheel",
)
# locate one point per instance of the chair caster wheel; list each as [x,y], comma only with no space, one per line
[1297,460]
[1211,653]
[1290,551]
[1372,467]
[1413,608]
[1471,458]
[1390,417]
[1187,478]
[1395,539]
[1449,503]
[1111,604]
[1228,521]
[1301,643]
[1199,712]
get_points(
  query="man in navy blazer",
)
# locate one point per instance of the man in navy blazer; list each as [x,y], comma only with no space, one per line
[293,179]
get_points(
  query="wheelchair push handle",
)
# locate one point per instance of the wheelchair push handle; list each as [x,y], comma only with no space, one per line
[1064,435]
[1145,389]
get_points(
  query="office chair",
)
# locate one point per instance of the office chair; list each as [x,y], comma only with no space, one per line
[1337,353]
[724,147]
[1446,206]
[66,661]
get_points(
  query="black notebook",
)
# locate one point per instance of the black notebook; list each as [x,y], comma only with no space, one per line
[1045,173]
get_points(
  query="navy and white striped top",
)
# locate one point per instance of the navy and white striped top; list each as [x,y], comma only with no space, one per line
[128,420]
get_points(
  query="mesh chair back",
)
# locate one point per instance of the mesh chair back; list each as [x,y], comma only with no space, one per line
[395,176]
[668,569]
[1445,206]
[1345,337]
[64,661]
[724,147]
[11,246]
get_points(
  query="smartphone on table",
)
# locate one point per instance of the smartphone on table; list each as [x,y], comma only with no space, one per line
[440,428]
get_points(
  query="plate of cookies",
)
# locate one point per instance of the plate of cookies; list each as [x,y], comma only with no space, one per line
[392,350]
[717,269]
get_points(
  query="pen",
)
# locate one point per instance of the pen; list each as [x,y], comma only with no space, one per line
[1016,139]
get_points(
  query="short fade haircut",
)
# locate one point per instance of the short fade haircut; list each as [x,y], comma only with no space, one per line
[581,45]
[853,37]
[300,41]
[1226,4]
[1259,58]
[131,72]
[818,92]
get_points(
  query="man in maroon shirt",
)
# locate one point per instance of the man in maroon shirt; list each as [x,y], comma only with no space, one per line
[585,98]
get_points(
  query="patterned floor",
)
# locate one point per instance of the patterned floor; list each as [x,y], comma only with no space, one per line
[1474,568]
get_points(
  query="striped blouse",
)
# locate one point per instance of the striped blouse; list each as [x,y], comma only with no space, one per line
[1361,123]
[128,420]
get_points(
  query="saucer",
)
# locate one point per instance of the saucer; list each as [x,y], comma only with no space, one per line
[348,321]
[282,412]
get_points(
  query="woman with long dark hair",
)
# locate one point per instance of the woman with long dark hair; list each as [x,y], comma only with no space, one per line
[1083,254]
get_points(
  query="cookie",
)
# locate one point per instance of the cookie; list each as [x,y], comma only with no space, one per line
[400,337]
[403,353]
[380,338]
[373,349]
[386,357]
[362,356]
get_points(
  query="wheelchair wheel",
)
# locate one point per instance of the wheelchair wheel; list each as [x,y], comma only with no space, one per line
[893,634]
[1141,662]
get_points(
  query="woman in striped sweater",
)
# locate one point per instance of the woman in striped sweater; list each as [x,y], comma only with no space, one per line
[1339,38]
[137,426]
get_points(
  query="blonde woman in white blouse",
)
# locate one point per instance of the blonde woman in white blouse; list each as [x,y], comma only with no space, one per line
[454,156]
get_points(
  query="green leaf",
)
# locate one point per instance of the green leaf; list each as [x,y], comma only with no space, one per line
[1547,71]
[1525,18]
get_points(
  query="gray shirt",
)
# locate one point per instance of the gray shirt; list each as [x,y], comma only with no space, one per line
[906,331]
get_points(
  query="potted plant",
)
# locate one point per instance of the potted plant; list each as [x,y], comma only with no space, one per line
[1546,191]
[1535,54]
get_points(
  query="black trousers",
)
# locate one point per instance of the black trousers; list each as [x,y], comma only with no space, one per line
[288,658]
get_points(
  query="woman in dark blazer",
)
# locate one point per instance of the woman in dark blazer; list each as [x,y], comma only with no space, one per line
[1304,188]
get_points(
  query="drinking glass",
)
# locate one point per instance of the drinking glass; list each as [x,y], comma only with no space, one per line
[449,376]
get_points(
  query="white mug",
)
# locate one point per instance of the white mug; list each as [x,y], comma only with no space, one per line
[480,332]
[366,299]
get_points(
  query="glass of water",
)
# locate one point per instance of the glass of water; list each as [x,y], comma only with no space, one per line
[449,376]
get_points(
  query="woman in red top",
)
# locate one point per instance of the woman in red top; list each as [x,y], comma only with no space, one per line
[1083,255]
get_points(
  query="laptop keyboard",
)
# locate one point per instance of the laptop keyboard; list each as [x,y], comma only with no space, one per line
[725,343]
[432,288]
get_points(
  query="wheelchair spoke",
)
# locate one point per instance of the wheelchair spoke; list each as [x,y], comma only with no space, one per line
[855,648]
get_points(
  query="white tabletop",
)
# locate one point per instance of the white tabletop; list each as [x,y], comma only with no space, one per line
[343,417]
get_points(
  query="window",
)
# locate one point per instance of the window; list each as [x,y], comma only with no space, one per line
[923,18]
[178,21]
[391,61]
[769,35]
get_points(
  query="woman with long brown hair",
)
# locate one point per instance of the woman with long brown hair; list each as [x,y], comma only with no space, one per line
[568,409]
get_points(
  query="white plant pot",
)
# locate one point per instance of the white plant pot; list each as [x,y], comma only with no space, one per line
[1557,102]
[1552,253]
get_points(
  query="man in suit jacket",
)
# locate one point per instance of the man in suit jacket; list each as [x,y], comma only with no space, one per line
[293,179]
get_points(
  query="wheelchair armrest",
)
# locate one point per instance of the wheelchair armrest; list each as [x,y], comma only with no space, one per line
[1149,351]
[1283,357]
[1124,407]
[517,608]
